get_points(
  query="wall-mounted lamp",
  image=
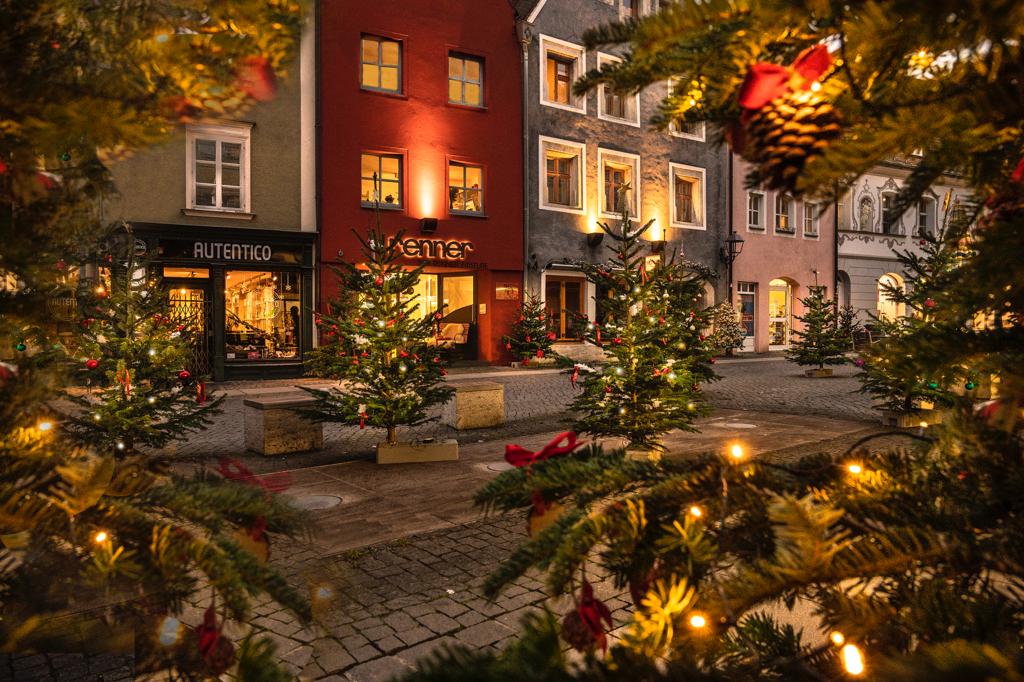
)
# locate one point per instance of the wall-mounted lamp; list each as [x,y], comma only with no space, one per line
[595,238]
[428,225]
[657,245]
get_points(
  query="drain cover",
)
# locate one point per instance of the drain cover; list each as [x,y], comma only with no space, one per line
[498,466]
[314,502]
[734,425]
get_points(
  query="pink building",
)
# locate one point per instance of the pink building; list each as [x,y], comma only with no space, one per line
[789,248]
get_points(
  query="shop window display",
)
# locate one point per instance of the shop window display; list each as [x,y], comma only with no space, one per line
[263,311]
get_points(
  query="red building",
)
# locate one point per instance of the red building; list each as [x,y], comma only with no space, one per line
[425,94]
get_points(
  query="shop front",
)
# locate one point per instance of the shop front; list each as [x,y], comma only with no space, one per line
[247,293]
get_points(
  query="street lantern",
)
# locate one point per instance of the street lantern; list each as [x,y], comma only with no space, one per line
[732,249]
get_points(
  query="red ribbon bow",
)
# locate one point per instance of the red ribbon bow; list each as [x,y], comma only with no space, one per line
[519,456]
[201,392]
[575,375]
[765,81]
[362,420]
[234,470]
[593,613]
[125,379]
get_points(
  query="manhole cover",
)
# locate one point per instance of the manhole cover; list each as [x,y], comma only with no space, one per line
[734,425]
[498,466]
[314,502]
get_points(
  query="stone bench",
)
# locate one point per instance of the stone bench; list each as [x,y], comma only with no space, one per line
[273,427]
[478,405]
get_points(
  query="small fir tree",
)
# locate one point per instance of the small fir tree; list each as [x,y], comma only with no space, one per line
[818,343]
[133,357]
[532,333]
[651,334]
[384,353]
[848,327]
[727,333]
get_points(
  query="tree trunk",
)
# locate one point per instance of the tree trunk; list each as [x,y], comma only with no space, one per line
[392,435]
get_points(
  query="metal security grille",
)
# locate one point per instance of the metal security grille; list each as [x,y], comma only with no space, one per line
[191,308]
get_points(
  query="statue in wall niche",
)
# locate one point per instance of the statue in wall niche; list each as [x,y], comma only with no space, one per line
[866,214]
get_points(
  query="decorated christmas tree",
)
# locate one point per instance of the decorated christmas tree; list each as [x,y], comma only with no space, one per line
[385,352]
[727,333]
[818,343]
[904,561]
[532,333]
[652,335]
[105,552]
[133,358]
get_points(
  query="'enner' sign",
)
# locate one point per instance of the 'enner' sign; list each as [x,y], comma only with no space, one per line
[433,248]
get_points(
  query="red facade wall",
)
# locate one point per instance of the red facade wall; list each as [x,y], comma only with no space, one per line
[421,125]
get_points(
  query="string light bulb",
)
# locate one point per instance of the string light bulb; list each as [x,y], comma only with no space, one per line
[853,659]
[44,425]
[837,638]
[736,451]
[697,621]
[100,537]
[696,511]
[855,469]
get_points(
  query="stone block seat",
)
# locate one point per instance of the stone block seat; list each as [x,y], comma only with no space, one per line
[273,426]
[477,405]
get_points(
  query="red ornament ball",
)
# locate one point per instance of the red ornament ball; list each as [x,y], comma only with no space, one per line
[92,363]
[87,322]
[552,336]
[61,265]
[379,281]
[181,327]
[184,375]
[540,353]
[929,303]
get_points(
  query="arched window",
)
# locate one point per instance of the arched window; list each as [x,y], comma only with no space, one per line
[889,309]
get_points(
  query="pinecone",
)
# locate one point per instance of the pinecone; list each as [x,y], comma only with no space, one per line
[785,133]
[576,633]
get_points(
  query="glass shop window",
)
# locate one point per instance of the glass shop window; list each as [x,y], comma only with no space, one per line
[263,313]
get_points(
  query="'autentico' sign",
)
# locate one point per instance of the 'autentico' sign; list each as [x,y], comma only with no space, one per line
[230,251]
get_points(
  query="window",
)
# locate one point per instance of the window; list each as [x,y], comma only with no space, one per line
[888,307]
[926,216]
[465,80]
[218,168]
[561,64]
[812,214]
[755,211]
[381,64]
[680,127]
[465,188]
[618,177]
[381,180]
[688,203]
[616,106]
[262,314]
[562,176]
[890,219]
[784,214]
[631,8]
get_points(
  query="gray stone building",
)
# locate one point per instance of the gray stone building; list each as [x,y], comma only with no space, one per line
[580,150]
[870,232]
[227,210]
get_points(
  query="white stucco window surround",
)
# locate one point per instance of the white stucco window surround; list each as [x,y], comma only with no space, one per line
[561,64]
[562,175]
[680,128]
[217,168]
[624,109]
[614,170]
[687,188]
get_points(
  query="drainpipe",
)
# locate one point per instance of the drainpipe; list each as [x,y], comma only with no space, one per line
[524,32]
[835,250]
[728,214]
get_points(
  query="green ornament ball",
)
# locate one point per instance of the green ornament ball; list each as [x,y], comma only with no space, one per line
[20,346]
[970,385]
[932,385]
[65,156]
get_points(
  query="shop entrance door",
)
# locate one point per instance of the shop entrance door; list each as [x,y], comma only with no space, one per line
[748,305]
[780,310]
[190,306]
[564,301]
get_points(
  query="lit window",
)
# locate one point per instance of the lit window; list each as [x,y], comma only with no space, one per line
[465,188]
[812,214]
[688,203]
[888,307]
[381,180]
[617,106]
[561,64]
[890,218]
[618,179]
[755,211]
[218,165]
[926,216]
[381,64]
[562,182]
[784,214]
[465,80]
[262,312]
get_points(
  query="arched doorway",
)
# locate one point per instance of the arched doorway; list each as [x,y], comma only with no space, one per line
[888,309]
[843,288]
[780,314]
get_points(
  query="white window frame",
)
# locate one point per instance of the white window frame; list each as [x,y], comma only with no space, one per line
[624,159]
[699,174]
[759,225]
[897,225]
[776,213]
[567,50]
[815,209]
[219,132]
[931,218]
[633,120]
[581,186]
[674,130]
